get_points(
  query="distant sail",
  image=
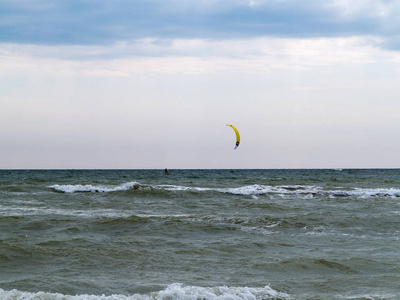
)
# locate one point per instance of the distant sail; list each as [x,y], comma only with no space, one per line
[237,135]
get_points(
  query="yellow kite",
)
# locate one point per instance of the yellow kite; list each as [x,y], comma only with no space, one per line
[237,135]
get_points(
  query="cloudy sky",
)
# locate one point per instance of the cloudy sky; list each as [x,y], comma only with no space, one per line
[153,83]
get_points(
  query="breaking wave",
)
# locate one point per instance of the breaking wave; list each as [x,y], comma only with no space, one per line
[79,188]
[250,190]
[173,292]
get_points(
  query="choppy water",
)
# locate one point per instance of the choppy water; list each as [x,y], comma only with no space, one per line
[200,234]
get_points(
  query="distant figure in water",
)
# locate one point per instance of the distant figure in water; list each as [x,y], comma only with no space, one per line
[166,171]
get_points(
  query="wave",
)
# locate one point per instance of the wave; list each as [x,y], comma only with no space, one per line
[79,188]
[365,193]
[173,291]
[248,190]
[245,190]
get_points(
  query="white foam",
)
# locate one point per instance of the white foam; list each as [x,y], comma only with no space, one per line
[366,193]
[177,291]
[74,188]
[307,191]
[257,189]
[174,291]
[181,188]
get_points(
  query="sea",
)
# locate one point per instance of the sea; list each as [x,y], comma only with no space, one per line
[200,234]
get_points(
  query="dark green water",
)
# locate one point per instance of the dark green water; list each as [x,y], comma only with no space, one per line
[200,234]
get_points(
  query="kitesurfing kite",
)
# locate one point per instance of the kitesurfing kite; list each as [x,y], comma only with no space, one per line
[237,135]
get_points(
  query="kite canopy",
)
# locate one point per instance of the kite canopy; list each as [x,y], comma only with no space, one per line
[237,135]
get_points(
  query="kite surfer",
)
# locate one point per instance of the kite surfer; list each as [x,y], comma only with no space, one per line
[166,171]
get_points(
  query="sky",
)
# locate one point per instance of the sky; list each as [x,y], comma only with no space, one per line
[150,84]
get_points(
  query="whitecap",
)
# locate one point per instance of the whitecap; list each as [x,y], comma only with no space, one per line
[174,291]
[307,191]
[74,188]
[366,192]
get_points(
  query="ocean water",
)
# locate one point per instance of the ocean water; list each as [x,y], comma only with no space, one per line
[200,234]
